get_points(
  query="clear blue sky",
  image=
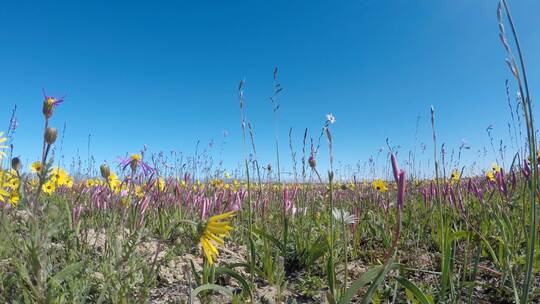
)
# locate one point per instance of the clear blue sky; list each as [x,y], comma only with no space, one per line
[165,73]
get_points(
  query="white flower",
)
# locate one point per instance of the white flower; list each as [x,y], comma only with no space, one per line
[300,211]
[330,118]
[345,216]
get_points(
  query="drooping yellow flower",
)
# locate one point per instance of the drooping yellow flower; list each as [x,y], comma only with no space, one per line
[48,187]
[379,185]
[495,168]
[212,233]
[2,146]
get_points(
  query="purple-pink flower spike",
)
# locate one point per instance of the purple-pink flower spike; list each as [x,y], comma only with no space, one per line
[400,178]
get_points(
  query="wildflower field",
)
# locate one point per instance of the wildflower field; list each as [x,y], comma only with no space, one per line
[140,230]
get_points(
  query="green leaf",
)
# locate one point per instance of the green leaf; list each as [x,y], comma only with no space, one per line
[377,282]
[214,287]
[269,237]
[459,234]
[330,273]
[418,294]
[362,281]
[235,275]
[252,255]
[316,251]
[67,272]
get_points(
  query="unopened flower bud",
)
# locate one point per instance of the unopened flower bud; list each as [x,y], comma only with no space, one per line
[105,171]
[16,164]
[312,162]
[133,164]
[50,135]
[48,107]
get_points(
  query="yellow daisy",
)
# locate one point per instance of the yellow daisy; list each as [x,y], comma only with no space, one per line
[13,183]
[379,185]
[59,176]
[69,182]
[36,167]
[48,187]
[89,183]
